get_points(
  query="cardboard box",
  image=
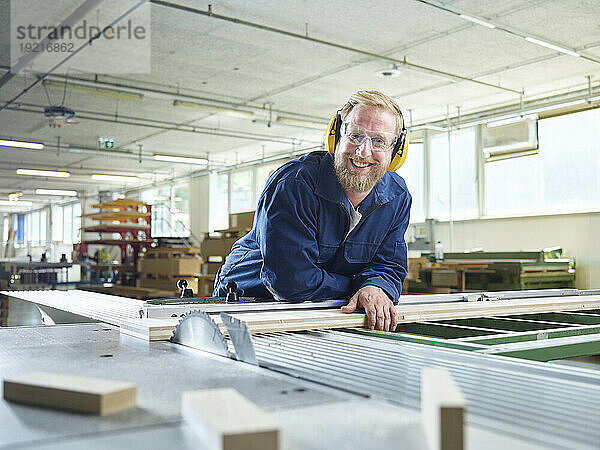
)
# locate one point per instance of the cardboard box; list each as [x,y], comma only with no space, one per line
[217,246]
[211,268]
[170,266]
[173,252]
[241,221]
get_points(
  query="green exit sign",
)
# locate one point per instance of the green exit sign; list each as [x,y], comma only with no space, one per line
[106,143]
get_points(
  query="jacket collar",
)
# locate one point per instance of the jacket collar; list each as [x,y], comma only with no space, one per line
[329,188]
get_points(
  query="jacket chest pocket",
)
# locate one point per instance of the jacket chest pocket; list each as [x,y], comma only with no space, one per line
[360,252]
[326,253]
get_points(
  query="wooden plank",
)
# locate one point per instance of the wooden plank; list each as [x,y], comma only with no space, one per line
[116,226]
[149,329]
[225,419]
[120,203]
[64,392]
[117,216]
[118,241]
[466,310]
[282,320]
[442,410]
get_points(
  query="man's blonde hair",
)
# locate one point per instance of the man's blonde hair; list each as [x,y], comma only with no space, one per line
[374,98]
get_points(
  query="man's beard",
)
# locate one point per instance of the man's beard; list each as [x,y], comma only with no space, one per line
[355,182]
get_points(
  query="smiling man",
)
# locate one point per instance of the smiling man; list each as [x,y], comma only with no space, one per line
[332,226]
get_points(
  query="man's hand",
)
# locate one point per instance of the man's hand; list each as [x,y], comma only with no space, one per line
[379,308]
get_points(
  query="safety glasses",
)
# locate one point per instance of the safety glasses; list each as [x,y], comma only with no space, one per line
[381,141]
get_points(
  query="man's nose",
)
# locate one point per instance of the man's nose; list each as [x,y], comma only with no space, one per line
[365,149]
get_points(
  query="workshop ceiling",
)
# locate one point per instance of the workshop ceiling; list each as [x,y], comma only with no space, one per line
[286,84]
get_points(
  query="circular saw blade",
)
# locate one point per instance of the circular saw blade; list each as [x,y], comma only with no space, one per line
[196,329]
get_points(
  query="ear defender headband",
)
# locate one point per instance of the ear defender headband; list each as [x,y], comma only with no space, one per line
[332,137]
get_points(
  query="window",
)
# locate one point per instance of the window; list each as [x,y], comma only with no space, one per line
[19,226]
[241,191]
[170,209]
[34,228]
[160,200]
[459,165]
[43,221]
[57,223]
[68,224]
[76,222]
[181,213]
[413,173]
[563,176]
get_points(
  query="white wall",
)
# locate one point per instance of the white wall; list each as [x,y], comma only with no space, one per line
[577,234]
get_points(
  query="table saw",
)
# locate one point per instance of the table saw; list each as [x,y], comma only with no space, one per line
[330,387]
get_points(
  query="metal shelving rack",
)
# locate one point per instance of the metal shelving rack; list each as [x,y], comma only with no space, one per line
[132,221]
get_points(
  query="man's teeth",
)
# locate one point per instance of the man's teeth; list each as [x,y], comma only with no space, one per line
[360,164]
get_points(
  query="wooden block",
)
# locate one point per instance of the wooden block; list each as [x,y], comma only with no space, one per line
[79,394]
[149,329]
[442,410]
[226,420]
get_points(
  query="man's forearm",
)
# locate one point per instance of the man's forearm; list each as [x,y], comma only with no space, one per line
[320,285]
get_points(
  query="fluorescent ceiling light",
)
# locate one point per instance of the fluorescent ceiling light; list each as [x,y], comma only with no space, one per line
[56,192]
[13,203]
[560,105]
[214,109]
[181,159]
[427,127]
[552,46]
[124,178]
[301,123]
[43,173]
[103,92]
[478,21]
[510,120]
[20,144]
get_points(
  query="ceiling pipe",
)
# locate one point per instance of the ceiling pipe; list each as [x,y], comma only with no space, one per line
[173,96]
[167,126]
[522,107]
[88,4]
[403,62]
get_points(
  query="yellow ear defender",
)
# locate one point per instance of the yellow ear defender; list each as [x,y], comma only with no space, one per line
[332,138]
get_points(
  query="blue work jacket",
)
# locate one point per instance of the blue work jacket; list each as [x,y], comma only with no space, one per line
[299,247]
